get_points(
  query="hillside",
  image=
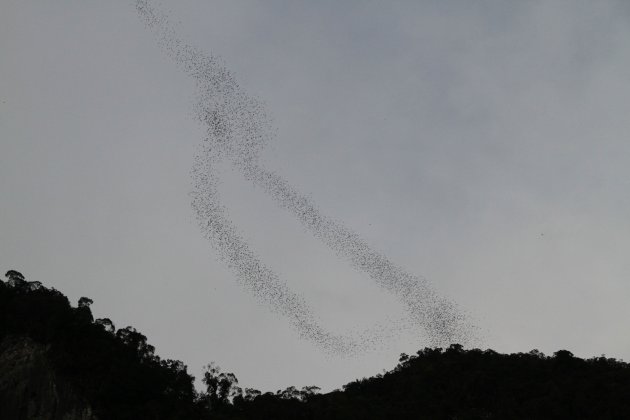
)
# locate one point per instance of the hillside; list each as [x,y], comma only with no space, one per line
[57,362]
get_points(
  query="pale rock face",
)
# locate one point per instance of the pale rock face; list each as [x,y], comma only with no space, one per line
[31,390]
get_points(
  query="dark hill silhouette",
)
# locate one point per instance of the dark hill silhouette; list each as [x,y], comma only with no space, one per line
[57,362]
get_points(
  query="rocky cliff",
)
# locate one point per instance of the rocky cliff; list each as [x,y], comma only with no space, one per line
[30,388]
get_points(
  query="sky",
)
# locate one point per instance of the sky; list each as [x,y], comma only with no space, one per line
[481,145]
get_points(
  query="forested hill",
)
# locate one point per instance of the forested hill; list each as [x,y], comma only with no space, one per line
[57,362]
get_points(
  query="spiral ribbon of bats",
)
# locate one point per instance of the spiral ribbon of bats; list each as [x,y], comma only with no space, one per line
[237,128]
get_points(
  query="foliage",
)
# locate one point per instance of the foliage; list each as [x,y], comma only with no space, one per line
[119,373]
[454,383]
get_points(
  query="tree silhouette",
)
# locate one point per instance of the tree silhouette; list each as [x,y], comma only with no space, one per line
[122,378]
[117,373]
[85,302]
[220,387]
[15,279]
[107,324]
[14,275]
[136,341]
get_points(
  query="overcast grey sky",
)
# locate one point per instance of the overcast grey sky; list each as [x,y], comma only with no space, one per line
[482,145]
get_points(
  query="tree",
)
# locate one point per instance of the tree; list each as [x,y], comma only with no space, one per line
[308,391]
[107,324]
[290,393]
[220,387]
[34,285]
[251,394]
[85,302]
[138,342]
[14,275]
[15,279]
[83,310]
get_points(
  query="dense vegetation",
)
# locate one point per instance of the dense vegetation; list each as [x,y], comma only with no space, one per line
[115,370]
[119,374]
